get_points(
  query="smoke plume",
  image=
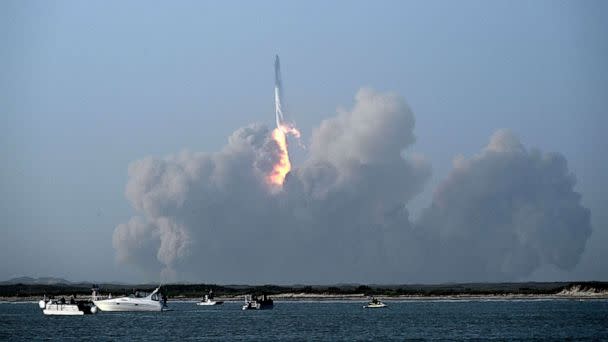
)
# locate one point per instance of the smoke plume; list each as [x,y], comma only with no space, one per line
[505,212]
[341,216]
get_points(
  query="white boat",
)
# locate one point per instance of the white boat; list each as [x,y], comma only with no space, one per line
[71,308]
[374,304]
[138,301]
[208,300]
[252,302]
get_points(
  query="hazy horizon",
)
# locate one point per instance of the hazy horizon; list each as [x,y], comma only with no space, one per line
[441,142]
[85,281]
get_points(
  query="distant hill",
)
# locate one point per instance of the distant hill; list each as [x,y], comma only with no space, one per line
[35,281]
[29,286]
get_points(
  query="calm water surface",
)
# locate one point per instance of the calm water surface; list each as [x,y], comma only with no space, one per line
[321,321]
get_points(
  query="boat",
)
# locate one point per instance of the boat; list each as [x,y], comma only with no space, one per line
[208,300]
[374,304]
[252,302]
[72,307]
[138,301]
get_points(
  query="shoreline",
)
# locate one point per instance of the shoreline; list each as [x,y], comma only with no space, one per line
[303,297]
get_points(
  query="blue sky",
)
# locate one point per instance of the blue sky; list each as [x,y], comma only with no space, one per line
[88,87]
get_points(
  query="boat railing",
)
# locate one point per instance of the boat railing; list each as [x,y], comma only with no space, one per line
[101,297]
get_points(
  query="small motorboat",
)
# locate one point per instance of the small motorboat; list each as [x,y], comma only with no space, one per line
[62,307]
[252,302]
[374,304]
[208,300]
[138,301]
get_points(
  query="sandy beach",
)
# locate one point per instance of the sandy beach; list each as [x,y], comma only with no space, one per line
[306,297]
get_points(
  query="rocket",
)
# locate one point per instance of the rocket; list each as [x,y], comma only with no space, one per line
[278,89]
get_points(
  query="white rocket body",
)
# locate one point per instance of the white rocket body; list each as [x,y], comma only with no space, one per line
[278,89]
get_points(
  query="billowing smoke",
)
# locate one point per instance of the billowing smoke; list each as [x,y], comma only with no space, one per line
[505,212]
[341,216]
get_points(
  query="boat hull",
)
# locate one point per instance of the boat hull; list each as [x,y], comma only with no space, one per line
[126,305]
[62,313]
[258,306]
[62,310]
[210,303]
[254,308]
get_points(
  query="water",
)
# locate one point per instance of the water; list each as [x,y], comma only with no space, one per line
[321,321]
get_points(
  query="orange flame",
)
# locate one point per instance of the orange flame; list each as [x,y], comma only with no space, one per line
[283,166]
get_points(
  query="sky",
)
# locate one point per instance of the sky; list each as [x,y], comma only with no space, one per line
[89,88]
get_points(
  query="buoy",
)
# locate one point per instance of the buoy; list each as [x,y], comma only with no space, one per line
[93,309]
[42,304]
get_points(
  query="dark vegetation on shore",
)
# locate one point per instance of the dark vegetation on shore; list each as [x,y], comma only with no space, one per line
[197,290]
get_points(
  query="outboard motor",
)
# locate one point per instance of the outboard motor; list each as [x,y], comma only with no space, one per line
[42,303]
[95,290]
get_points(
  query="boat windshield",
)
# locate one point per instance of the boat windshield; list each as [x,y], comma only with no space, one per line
[139,294]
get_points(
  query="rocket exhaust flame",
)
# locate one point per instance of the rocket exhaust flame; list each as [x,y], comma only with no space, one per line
[283,166]
[279,134]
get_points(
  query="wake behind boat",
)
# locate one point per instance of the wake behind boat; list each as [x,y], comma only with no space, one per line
[138,301]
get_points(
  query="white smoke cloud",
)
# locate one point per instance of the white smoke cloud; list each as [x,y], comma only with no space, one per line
[375,130]
[342,216]
[504,212]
